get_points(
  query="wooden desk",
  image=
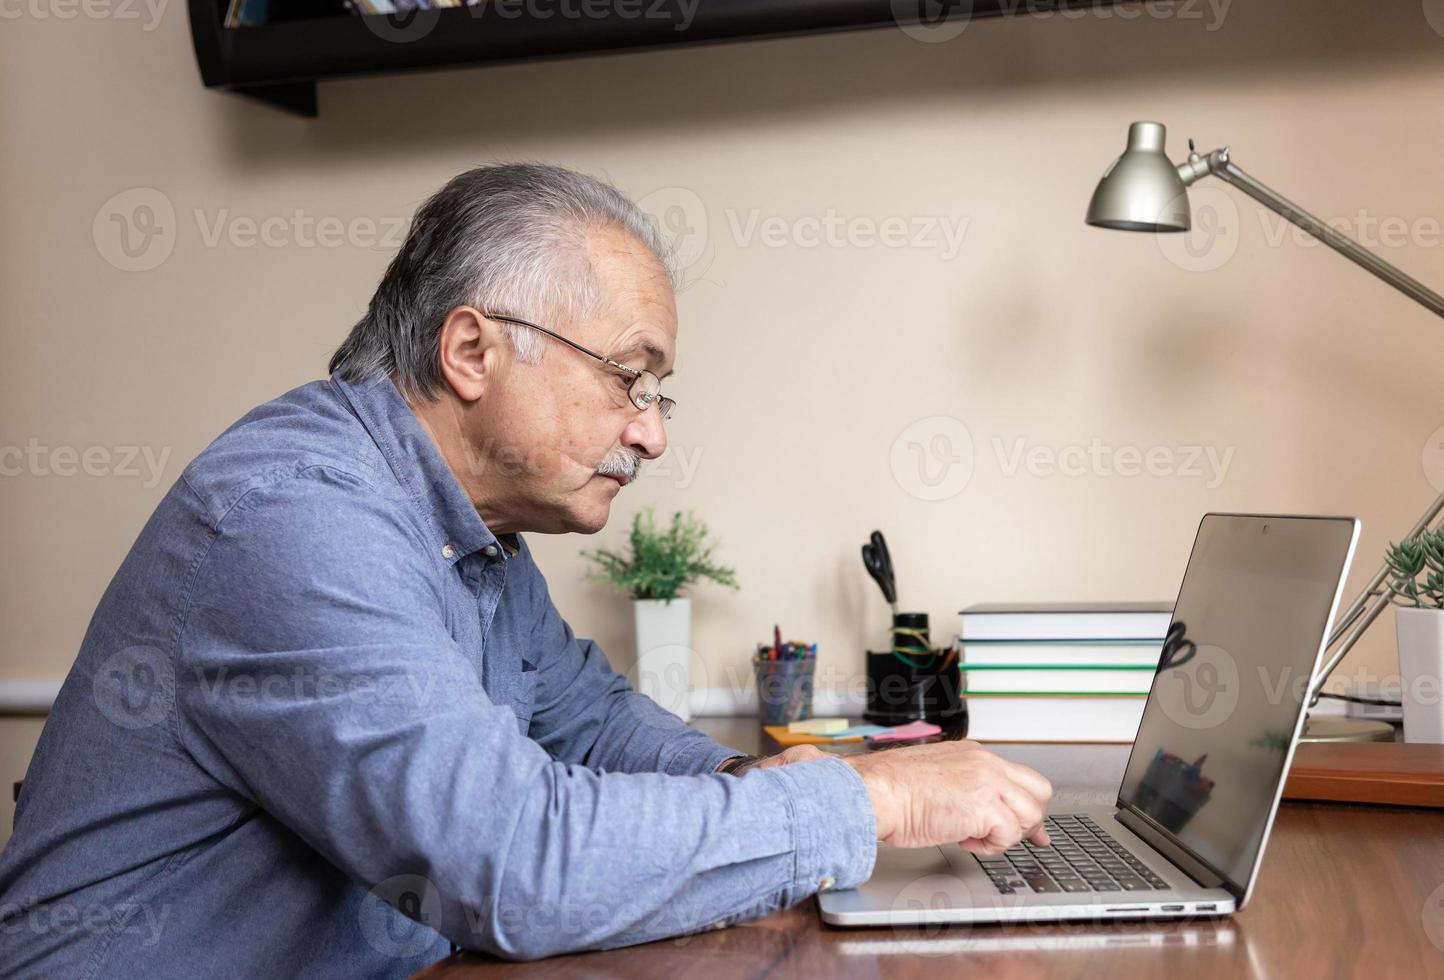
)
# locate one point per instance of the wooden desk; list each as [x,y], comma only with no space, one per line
[1346,891]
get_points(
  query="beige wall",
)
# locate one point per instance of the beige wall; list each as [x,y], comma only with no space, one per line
[801,368]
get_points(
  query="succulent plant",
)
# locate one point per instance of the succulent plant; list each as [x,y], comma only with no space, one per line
[1416,570]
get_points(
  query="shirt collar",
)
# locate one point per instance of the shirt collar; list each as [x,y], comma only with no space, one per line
[419,466]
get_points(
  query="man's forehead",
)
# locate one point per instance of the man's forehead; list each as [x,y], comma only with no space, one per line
[637,313]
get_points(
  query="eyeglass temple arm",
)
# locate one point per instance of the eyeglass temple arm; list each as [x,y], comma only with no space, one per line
[552,333]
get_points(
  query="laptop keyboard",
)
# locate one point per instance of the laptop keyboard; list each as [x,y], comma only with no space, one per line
[1083,858]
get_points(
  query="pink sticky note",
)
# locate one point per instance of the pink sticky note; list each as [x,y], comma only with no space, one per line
[913,729]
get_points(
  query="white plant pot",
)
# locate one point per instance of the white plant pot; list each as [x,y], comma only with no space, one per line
[1421,663]
[663,670]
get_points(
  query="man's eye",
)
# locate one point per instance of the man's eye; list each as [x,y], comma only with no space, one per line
[622,382]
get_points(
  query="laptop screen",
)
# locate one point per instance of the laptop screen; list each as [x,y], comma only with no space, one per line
[1252,614]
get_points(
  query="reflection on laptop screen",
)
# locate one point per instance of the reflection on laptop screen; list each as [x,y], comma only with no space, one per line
[1245,638]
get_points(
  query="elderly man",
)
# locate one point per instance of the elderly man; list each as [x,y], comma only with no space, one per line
[326,720]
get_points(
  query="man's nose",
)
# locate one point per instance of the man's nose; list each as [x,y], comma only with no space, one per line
[646,434]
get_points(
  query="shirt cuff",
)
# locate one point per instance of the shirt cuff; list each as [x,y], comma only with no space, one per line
[834,829]
[701,759]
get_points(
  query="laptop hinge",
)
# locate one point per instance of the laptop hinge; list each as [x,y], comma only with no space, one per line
[1161,843]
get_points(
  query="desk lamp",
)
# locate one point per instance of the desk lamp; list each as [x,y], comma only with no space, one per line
[1144,191]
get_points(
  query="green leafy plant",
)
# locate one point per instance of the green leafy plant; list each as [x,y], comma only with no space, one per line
[1416,570]
[662,562]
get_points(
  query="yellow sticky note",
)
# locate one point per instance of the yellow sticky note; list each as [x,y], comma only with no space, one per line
[818,726]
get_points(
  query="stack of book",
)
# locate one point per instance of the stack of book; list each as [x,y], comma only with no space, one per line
[1060,673]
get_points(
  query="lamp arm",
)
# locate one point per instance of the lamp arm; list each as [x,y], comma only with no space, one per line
[1372,601]
[1219,164]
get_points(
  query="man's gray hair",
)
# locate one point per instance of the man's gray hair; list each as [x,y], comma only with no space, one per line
[509,238]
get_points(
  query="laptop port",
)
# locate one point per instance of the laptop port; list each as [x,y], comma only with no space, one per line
[1173,908]
[1205,908]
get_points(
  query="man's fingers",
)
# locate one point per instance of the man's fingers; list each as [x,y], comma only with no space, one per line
[1031,780]
[1027,811]
[982,848]
[1004,827]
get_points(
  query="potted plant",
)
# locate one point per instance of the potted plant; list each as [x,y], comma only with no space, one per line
[660,564]
[1416,586]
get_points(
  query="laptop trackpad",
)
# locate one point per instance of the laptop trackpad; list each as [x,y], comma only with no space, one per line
[907,879]
[912,860]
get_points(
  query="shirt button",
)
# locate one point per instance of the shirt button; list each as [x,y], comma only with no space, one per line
[448,552]
[489,551]
[826,883]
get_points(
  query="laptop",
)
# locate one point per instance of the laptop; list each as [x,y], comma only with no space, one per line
[1198,797]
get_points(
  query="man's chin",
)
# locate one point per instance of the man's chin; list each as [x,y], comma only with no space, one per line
[594,508]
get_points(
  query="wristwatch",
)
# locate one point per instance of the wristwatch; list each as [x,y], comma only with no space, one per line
[737,764]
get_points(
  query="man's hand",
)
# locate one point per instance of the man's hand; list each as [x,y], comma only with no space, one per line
[945,792]
[794,753]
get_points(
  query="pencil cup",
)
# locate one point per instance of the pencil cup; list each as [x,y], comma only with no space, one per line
[784,690]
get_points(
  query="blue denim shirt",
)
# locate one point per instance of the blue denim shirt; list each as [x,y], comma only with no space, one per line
[324,723]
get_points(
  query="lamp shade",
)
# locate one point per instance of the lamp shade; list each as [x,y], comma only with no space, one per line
[1141,191]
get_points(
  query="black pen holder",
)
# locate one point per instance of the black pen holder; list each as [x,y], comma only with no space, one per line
[915,682]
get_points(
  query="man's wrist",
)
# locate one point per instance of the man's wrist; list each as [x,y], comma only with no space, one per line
[878,794]
[737,764]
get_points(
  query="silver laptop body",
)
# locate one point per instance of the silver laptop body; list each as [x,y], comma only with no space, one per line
[1198,797]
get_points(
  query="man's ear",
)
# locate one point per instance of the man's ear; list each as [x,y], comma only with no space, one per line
[474,352]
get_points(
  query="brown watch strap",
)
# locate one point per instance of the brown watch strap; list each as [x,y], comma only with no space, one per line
[736,764]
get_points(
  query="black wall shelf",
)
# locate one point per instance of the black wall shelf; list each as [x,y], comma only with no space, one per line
[281,62]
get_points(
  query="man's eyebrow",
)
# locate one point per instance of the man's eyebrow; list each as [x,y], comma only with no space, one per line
[655,354]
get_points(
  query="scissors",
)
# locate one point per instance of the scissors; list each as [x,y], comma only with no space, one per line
[1178,649]
[878,562]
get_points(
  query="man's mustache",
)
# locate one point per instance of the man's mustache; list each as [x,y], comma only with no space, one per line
[620,462]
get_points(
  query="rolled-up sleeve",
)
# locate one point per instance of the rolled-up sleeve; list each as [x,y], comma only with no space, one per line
[317,678]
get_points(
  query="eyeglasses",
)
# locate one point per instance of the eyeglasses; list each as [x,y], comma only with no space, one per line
[645,389]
